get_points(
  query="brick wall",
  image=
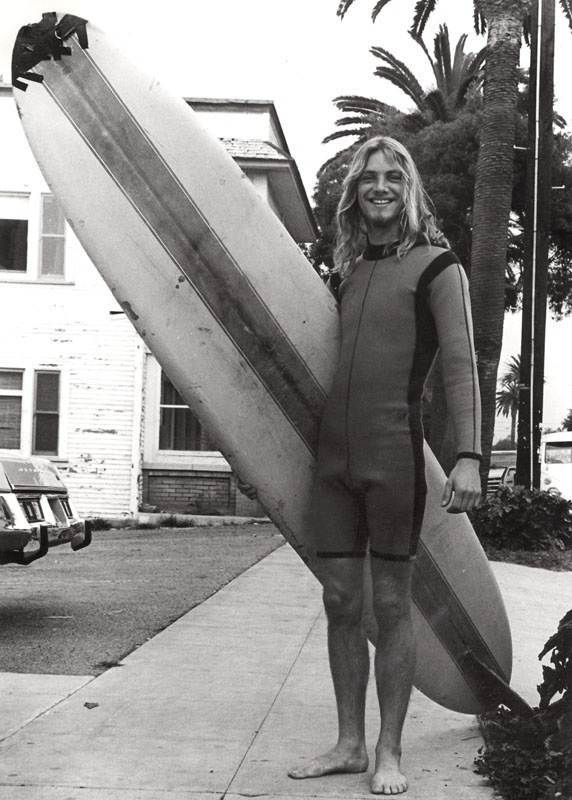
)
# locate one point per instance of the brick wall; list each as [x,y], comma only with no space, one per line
[183,492]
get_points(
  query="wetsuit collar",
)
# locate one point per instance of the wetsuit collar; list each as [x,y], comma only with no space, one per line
[374,252]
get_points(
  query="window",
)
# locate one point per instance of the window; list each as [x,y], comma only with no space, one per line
[10,408]
[46,413]
[13,232]
[558,453]
[52,238]
[179,429]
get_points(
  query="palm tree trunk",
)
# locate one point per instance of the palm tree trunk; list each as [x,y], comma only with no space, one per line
[493,192]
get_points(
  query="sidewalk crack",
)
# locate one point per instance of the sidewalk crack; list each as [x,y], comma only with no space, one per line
[260,726]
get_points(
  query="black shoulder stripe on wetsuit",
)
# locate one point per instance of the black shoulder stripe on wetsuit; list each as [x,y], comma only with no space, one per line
[435,267]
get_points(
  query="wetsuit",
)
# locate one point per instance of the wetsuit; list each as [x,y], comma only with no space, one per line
[370,478]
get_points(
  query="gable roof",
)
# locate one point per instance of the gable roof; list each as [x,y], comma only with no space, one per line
[262,146]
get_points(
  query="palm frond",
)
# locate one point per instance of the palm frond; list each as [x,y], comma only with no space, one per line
[479,19]
[442,49]
[400,82]
[399,74]
[351,121]
[461,61]
[566,6]
[419,40]
[435,103]
[361,105]
[378,7]
[423,10]
[343,6]
[359,132]
[474,76]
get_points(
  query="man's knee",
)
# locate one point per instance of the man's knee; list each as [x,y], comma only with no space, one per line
[391,608]
[392,595]
[343,604]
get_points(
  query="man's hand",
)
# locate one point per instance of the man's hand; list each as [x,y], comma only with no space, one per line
[463,488]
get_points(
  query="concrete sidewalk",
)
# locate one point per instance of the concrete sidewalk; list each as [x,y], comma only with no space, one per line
[230,695]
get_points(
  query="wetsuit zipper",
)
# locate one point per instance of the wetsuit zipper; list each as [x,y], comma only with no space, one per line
[350,375]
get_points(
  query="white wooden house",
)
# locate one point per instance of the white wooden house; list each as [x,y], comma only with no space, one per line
[77,384]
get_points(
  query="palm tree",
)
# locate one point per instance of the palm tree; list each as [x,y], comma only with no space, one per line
[504,21]
[457,77]
[566,424]
[508,395]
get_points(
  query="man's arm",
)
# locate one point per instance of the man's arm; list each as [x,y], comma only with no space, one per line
[451,309]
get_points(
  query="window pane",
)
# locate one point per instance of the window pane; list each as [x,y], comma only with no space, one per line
[47,391]
[10,418]
[52,258]
[46,434]
[11,379]
[52,215]
[13,244]
[169,395]
[559,453]
[179,430]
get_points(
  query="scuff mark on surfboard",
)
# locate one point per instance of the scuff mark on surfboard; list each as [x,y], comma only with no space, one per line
[126,306]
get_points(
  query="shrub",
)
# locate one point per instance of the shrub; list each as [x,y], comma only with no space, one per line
[531,758]
[516,518]
[100,524]
[521,758]
[557,679]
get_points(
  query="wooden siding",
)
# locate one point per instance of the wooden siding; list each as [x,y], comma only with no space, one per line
[70,328]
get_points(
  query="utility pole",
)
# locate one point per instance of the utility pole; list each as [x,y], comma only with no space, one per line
[537,227]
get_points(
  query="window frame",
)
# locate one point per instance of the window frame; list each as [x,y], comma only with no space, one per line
[153,458]
[15,393]
[18,198]
[43,412]
[50,276]
[34,220]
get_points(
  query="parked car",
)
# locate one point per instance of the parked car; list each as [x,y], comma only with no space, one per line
[556,463]
[36,512]
[500,476]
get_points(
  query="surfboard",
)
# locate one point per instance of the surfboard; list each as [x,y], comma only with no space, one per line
[234,313]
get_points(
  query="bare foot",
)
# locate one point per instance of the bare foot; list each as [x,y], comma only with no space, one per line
[388,778]
[337,760]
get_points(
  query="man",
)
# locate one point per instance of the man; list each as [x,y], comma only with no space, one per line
[401,298]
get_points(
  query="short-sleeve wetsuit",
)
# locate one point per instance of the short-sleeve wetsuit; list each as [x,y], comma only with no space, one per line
[370,478]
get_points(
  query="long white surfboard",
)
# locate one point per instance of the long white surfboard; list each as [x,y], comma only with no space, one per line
[237,318]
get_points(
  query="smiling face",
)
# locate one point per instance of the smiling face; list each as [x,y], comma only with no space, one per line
[380,197]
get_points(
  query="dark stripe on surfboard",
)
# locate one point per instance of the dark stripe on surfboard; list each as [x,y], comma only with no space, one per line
[88,100]
[448,619]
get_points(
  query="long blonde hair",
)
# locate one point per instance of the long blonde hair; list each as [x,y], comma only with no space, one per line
[416,220]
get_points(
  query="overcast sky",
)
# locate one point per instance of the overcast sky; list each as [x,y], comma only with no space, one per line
[298,54]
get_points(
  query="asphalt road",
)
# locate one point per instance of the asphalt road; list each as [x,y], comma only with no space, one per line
[81,613]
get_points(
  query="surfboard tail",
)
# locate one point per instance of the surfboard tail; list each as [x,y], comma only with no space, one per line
[42,41]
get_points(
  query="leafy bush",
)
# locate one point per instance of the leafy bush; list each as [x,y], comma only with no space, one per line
[526,759]
[516,518]
[531,758]
[558,678]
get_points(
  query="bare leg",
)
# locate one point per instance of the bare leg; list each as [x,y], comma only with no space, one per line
[394,668]
[349,664]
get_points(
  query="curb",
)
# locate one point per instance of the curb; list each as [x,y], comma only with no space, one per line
[155,520]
